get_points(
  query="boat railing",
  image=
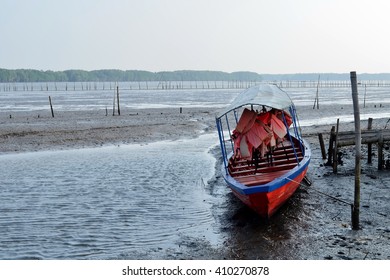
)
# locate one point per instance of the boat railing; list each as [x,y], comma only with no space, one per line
[296,125]
[289,134]
[225,135]
[222,143]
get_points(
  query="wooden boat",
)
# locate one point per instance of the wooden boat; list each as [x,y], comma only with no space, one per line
[264,156]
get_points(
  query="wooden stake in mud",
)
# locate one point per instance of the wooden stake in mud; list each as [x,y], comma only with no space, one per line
[335,159]
[365,92]
[369,146]
[316,100]
[117,96]
[380,151]
[358,144]
[113,105]
[322,145]
[51,107]
[330,149]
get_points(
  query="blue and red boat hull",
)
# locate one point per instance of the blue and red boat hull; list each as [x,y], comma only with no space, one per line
[266,199]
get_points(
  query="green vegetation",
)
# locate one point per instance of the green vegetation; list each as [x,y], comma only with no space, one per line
[27,75]
[30,75]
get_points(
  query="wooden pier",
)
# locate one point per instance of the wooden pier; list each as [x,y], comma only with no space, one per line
[369,136]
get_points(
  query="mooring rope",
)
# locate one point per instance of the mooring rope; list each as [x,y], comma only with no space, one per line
[328,195]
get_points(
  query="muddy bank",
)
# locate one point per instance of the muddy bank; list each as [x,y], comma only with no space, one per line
[35,131]
[310,225]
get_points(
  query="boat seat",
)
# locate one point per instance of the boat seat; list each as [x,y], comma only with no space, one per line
[259,179]
[270,169]
[264,162]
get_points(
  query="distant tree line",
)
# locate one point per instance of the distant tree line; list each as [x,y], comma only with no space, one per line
[324,77]
[30,75]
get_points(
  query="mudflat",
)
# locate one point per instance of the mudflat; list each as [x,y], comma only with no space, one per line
[310,226]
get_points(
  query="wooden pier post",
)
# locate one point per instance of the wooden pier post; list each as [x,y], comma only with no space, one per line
[369,146]
[358,144]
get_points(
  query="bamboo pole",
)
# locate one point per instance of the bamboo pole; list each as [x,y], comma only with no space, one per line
[358,139]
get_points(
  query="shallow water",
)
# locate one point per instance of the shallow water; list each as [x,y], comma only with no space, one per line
[70,100]
[344,118]
[11,101]
[106,203]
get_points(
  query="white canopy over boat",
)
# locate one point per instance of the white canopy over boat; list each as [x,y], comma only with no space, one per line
[267,95]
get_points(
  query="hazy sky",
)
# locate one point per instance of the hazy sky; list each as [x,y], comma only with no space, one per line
[264,36]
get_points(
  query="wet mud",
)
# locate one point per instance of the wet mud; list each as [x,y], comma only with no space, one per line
[310,226]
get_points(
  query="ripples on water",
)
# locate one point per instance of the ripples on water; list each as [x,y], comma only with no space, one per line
[103,203]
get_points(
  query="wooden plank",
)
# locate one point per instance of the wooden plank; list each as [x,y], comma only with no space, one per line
[369,140]
[260,179]
[244,162]
[269,169]
[365,132]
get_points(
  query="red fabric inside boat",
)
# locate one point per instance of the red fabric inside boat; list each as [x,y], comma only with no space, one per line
[246,121]
[260,131]
[278,127]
